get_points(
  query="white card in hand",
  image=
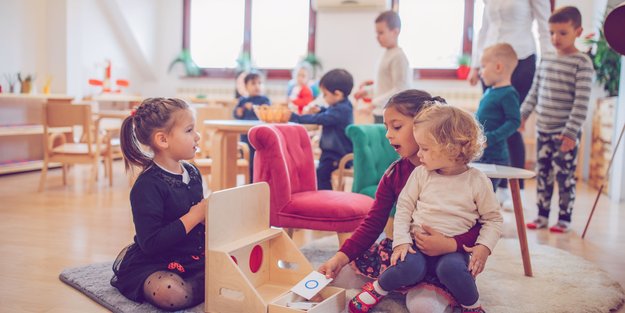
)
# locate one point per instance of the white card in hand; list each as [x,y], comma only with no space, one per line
[311,285]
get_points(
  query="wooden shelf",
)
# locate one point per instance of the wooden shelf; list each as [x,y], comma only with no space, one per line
[21,131]
[25,166]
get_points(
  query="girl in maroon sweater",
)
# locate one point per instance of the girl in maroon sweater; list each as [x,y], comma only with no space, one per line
[368,257]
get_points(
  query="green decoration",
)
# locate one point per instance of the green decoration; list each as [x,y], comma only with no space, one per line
[191,69]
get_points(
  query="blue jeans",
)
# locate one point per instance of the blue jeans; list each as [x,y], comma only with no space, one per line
[451,270]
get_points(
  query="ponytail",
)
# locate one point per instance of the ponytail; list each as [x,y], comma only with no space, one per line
[131,148]
[410,102]
[153,114]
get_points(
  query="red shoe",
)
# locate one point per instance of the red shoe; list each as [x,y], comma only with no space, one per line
[539,223]
[560,227]
[356,305]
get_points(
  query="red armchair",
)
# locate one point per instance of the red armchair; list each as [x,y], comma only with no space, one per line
[284,160]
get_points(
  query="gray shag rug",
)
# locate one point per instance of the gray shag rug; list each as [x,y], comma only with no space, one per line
[562,282]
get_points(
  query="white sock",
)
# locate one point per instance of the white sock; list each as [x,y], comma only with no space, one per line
[367,298]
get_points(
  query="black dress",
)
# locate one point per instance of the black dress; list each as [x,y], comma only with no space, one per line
[158,199]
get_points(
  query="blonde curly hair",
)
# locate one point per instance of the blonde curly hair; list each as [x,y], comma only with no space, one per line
[456,131]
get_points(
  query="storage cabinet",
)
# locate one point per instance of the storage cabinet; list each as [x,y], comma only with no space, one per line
[21,142]
[601,143]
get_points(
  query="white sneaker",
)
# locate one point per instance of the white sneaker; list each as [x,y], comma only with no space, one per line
[508,205]
[503,194]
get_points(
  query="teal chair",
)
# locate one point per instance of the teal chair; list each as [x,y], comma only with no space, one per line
[373,154]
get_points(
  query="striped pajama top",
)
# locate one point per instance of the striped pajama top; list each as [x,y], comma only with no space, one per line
[560,93]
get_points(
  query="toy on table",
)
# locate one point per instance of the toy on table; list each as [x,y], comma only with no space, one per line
[272,113]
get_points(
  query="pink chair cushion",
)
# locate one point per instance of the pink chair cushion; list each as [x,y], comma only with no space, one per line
[328,205]
[284,160]
[325,210]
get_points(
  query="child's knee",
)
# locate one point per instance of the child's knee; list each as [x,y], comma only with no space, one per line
[451,265]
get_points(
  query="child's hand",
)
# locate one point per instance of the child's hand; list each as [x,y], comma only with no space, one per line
[248,105]
[474,76]
[199,210]
[567,143]
[479,254]
[367,82]
[433,243]
[522,127]
[360,94]
[239,112]
[333,266]
[196,215]
[366,108]
[400,253]
[314,109]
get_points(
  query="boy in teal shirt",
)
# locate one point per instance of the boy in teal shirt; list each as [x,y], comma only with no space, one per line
[499,111]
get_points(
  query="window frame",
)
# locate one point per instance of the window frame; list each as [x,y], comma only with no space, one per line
[467,45]
[418,73]
[247,42]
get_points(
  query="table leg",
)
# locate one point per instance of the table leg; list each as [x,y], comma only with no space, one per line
[520,225]
[224,155]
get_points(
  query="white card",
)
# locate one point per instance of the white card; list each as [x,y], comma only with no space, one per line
[311,285]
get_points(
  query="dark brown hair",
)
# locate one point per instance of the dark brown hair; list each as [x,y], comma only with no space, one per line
[410,102]
[391,18]
[567,14]
[153,114]
[337,79]
[251,77]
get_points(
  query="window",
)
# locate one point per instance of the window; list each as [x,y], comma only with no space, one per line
[216,32]
[435,33]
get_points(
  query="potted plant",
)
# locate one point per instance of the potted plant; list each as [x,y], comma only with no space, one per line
[464,66]
[314,62]
[607,63]
[184,57]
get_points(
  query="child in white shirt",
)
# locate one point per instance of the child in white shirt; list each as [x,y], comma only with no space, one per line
[394,72]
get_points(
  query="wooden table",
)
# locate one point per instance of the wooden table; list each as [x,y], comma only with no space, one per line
[224,149]
[513,175]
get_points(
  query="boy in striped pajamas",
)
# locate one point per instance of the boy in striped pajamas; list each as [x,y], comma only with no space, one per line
[559,95]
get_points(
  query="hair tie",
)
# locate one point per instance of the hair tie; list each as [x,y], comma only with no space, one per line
[133,112]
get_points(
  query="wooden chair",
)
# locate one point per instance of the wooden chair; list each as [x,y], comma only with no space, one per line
[243,163]
[61,148]
[342,172]
[209,112]
[284,159]
[203,162]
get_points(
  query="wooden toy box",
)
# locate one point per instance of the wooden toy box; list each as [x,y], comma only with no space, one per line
[250,266]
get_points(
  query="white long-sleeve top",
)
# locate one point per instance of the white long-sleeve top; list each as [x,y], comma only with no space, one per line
[394,75]
[510,21]
[451,204]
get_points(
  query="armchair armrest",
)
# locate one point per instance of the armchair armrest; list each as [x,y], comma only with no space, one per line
[343,171]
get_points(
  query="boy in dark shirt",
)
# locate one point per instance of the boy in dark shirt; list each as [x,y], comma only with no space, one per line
[336,85]
[244,109]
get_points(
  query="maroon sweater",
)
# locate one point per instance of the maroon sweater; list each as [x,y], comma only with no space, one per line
[390,186]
